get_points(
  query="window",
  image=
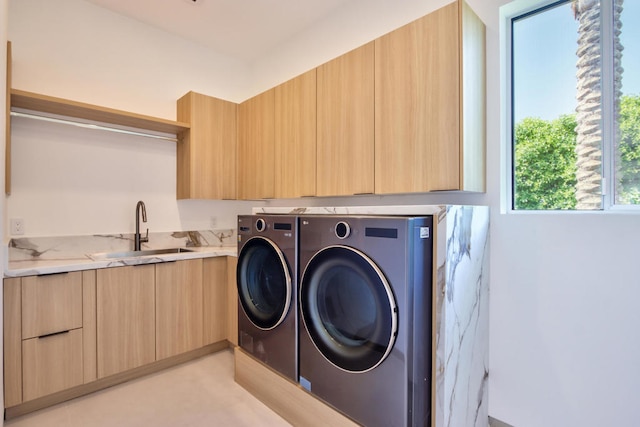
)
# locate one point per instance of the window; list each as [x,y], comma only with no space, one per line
[573,101]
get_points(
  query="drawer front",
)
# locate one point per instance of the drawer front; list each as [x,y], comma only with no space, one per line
[51,304]
[52,363]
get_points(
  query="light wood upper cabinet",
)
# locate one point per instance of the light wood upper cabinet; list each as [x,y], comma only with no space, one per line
[256,143]
[125,306]
[179,298]
[206,165]
[345,128]
[429,104]
[295,137]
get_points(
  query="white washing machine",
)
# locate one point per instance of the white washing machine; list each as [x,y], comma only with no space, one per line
[365,308]
[267,282]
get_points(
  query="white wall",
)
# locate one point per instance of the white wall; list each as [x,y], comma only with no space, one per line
[349,27]
[564,344]
[4,19]
[564,287]
[69,181]
[74,49]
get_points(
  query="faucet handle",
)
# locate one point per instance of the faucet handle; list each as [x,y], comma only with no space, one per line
[146,237]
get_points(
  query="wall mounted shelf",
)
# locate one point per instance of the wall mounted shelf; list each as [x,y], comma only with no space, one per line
[79,110]
[82,112]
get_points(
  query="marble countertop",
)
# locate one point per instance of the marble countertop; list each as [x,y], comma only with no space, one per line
[35,267]
[50,255]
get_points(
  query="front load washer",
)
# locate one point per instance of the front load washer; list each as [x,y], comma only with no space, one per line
[267,282]
[365,302]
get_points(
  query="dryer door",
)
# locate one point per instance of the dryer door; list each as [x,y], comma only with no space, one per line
[264,282]
[348,308]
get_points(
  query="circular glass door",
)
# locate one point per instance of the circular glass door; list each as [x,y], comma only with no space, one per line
[348,308]
[264,283]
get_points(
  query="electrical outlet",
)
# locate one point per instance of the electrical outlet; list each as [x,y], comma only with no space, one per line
[213,222]
[17,226]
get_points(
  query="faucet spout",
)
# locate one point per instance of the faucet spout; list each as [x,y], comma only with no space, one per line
[138,239]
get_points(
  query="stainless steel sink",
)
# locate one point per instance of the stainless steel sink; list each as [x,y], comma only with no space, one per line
[136,254]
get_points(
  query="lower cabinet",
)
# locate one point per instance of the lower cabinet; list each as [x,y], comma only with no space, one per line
[12,340]
[43,335]
[125,308]
[51,363]
[51,304]
[215,300]
[69,329]
[220,300]
[232,301]
[178,307]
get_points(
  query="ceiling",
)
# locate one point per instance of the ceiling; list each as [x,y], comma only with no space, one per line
[242,29]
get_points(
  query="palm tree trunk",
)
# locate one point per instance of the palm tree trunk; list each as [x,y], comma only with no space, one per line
[589,108]
[589,97]
[617,70]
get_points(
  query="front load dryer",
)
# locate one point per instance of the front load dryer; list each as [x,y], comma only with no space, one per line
[365,308]
[267,282]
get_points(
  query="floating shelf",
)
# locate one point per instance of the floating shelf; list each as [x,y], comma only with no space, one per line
[79,110]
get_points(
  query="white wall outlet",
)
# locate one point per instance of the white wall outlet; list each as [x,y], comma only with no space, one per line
[213,222]
[17,226]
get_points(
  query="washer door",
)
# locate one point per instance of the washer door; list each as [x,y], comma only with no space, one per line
[348,308]
[264,283]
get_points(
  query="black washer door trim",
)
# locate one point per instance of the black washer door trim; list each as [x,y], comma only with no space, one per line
[264,283]
[348,308]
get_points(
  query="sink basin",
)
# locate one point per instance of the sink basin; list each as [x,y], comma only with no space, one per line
[135,254]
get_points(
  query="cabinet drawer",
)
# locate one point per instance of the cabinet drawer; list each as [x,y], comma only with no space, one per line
[51,363]
[51,304]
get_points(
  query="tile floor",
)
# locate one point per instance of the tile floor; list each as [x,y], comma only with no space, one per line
[198,393]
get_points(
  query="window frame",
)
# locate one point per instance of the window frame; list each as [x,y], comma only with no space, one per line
[518,9]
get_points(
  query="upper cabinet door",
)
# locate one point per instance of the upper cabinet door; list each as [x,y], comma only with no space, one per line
[295,137]
[425,76]
[207,153]
[346,124]
[256,143]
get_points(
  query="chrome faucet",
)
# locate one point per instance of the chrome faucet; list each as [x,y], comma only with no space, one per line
[138,238]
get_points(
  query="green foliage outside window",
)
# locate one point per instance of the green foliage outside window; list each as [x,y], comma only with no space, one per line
[628,174]
[545,160]
[545,163]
